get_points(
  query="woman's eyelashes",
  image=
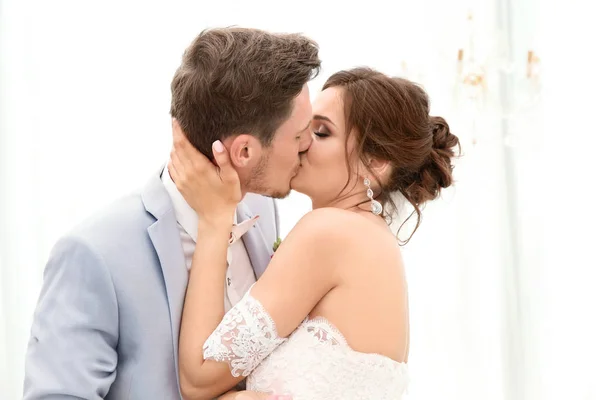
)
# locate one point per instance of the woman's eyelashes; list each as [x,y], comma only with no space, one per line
[321,131]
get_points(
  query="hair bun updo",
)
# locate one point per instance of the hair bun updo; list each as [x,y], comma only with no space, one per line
[436,173]
[390,120]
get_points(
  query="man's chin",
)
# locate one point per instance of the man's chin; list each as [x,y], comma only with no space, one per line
[271,192]
[279,194]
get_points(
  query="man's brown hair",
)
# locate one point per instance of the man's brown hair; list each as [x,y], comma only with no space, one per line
[237,80]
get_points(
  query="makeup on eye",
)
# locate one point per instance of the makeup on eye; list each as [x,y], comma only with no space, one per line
[321,131]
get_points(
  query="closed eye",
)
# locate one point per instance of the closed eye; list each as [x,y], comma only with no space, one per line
[322,131]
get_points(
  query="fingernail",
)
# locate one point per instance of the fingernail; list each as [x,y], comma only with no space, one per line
[218,146]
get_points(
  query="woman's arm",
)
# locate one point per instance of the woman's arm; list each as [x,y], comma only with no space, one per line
[214,197]
[202,312]
[299,275]
[249,395]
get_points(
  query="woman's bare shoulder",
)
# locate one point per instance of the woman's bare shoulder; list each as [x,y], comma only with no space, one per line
[344,230]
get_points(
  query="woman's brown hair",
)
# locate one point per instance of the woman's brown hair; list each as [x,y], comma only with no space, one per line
[389,119]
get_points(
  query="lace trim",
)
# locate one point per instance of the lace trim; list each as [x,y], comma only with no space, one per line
[246,336]
[316,362]
[324,331]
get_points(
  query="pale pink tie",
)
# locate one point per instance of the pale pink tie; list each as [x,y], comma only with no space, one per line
[237,231]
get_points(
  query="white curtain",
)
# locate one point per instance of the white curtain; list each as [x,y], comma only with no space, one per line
[84,100]
[569,320]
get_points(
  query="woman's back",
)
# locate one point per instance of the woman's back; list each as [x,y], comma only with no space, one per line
[370,304]
[354,343]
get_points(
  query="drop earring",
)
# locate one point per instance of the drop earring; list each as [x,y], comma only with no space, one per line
[376,207]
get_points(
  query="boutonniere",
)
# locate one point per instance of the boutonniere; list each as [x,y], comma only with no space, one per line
[276,245]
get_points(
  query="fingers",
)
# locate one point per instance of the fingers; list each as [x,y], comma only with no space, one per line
[177,177]
[186,152]
[176,128]
[172,170]
[192,169]
[227,172]
[175,163]
[180,141]
[177,169]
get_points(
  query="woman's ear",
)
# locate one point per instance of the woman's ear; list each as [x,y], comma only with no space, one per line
[379,168]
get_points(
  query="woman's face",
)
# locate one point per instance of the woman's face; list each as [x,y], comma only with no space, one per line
[323,171]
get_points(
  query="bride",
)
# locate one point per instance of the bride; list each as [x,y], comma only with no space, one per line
[329,317]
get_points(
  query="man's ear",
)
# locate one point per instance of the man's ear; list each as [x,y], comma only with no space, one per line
[244,150]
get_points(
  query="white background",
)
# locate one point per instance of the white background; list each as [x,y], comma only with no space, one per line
[503,275]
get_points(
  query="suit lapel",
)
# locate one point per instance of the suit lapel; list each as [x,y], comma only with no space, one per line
[165,238]
[258,250]
[164,235]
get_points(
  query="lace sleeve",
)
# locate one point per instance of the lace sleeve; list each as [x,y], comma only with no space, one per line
[245,337]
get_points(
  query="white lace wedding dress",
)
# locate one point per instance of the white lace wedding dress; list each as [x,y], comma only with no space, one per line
[313,363]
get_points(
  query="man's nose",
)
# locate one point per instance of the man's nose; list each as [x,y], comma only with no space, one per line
[305,142]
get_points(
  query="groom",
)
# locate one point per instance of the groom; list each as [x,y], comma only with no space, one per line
[107,322]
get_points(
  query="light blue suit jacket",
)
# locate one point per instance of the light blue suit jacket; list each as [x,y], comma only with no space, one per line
[107,322]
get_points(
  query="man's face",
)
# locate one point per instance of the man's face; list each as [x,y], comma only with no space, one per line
[279,163]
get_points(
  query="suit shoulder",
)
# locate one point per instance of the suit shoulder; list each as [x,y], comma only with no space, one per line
[124,218]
